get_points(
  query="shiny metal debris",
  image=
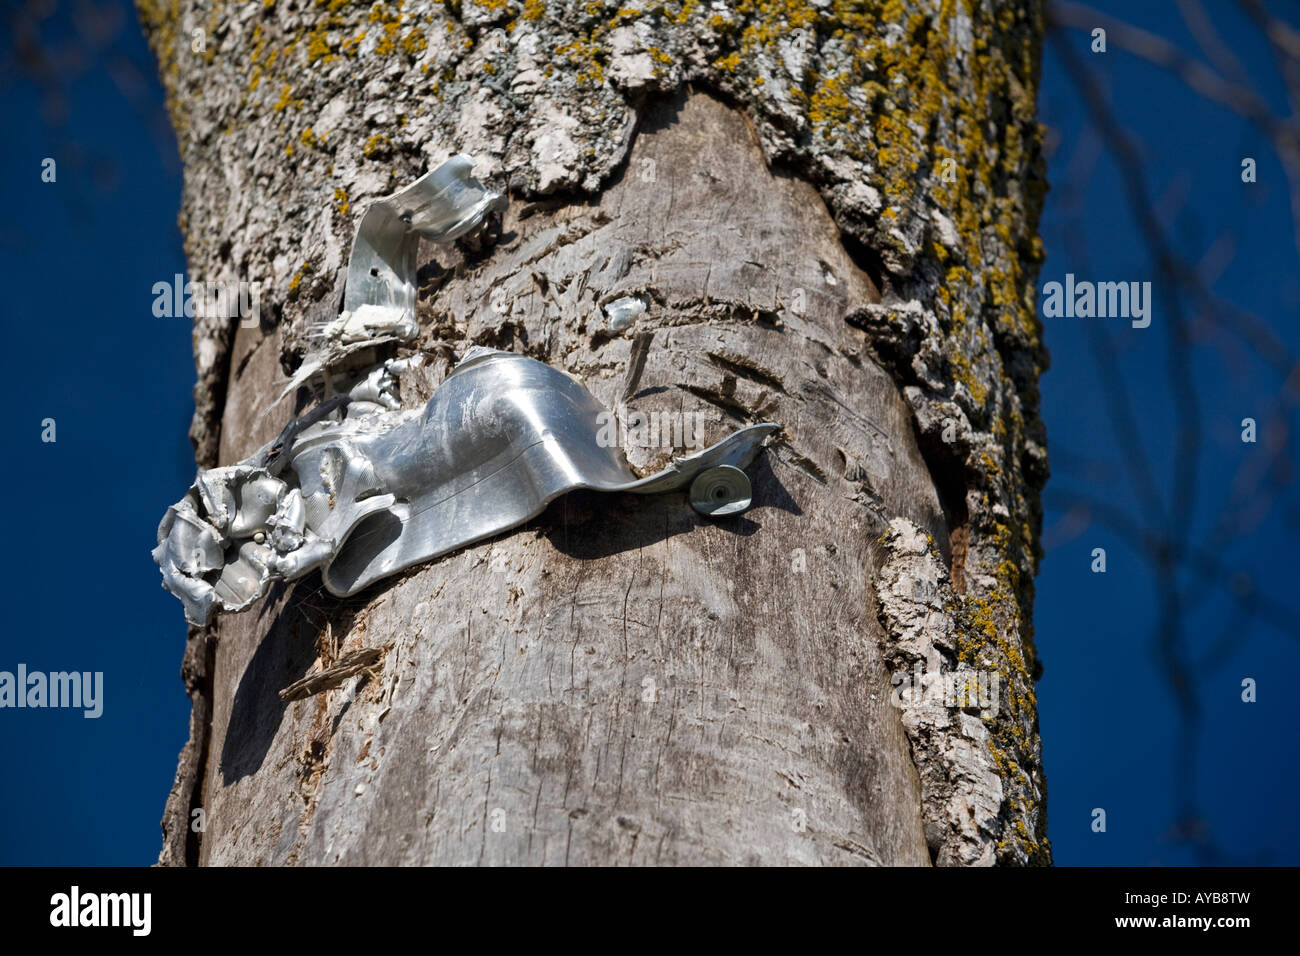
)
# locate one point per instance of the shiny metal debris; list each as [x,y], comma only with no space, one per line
[442,205]
[362,489]
[625,311]
[721,491]
[379,302]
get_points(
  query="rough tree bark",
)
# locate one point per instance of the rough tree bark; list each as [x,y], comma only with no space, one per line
[832,209]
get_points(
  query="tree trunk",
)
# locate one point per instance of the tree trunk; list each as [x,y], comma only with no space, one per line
[831,209]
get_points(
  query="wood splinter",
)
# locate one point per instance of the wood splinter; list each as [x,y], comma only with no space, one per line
[333,676]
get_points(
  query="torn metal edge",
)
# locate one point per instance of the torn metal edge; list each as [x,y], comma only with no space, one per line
[362,489]
[443,205]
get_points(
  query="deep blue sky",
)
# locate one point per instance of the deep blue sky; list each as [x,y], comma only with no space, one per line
[1108,717]
[80,256]
[79,259]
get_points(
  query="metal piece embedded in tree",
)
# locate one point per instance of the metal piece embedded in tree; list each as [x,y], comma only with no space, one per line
[721,491]
[623,312]
[442,206]
[362,491]
[362,488]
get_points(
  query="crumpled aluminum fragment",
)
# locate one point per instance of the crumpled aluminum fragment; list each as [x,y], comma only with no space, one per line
[442,205]
[622,313]
[379,302]
[362,490]
[380,384]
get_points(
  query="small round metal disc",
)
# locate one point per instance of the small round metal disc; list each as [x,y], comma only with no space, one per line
[720,491]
